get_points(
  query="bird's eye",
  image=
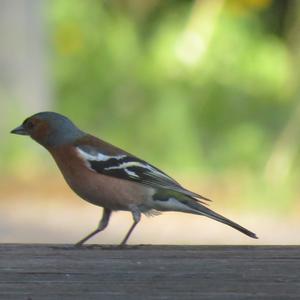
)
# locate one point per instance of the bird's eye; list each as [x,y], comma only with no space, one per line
[29,125]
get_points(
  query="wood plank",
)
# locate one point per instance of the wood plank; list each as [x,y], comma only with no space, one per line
[34,272]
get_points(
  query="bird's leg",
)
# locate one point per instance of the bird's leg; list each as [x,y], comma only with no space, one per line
[102,225]
[136,214]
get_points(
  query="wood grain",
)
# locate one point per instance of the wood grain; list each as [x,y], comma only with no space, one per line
[35,272]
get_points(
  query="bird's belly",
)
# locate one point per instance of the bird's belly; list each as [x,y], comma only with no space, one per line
[108,192]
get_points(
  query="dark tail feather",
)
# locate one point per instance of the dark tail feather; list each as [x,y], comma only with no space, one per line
[203,210]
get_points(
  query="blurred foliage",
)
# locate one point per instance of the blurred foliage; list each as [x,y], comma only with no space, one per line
[114,70]
[205,87]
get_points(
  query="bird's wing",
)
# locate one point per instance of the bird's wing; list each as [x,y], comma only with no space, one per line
[129,167]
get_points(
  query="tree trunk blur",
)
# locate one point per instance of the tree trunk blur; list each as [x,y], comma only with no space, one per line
[24,80]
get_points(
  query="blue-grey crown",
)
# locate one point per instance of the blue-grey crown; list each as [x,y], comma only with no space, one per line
[62,129]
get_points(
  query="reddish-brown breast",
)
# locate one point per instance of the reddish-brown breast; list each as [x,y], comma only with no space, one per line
[101,190]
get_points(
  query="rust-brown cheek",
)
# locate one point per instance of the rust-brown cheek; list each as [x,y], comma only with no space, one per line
[41,133]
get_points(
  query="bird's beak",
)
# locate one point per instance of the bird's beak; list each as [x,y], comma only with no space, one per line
[20,130]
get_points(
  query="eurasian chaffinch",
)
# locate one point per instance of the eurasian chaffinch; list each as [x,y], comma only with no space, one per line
[107,176]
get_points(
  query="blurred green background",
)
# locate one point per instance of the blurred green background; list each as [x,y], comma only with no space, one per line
[207,90]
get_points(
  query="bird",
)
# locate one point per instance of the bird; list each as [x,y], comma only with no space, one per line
[112,178]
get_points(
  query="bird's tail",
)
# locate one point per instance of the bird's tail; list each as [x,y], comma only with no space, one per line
[198,208]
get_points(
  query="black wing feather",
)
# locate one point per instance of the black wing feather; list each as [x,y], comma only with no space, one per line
[132,168]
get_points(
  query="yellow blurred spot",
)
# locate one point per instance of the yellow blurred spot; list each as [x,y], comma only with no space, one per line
[242,6]
[68,39]
[258,3]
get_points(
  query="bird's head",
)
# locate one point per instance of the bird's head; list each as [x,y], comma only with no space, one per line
[49,129]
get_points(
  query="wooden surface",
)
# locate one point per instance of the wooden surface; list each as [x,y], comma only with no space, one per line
[35,272]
